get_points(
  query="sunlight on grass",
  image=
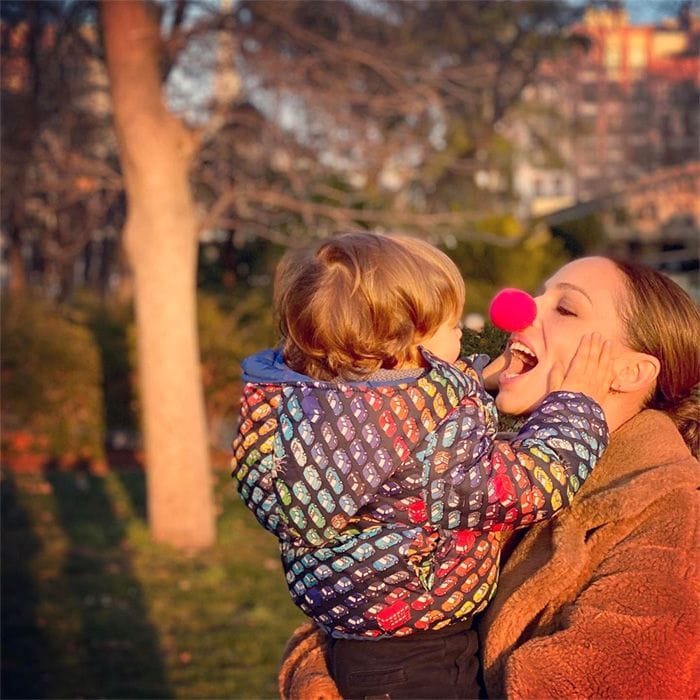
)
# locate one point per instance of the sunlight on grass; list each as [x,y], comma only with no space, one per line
[93,608]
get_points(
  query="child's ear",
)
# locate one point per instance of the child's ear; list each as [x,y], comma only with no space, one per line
[634,371]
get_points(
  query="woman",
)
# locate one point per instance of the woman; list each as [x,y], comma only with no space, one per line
[602,601]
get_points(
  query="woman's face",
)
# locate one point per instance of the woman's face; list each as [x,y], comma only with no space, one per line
[581,298]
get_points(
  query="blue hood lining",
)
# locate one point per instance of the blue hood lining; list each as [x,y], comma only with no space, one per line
[268,367]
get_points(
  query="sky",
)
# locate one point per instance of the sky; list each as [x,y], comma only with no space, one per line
[651,11]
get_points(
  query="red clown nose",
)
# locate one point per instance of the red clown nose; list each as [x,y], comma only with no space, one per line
[512,310]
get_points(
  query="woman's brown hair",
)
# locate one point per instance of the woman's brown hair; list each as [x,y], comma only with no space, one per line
[361,301]
[660,319]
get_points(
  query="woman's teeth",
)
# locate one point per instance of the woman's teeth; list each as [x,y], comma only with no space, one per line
[522,360]
[519,347]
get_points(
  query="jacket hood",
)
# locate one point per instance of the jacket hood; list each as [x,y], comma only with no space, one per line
[268,367]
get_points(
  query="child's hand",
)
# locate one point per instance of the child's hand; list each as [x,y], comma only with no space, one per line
[492,372]
[590,371]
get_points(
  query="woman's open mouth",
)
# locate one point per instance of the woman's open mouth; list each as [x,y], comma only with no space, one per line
[522,360]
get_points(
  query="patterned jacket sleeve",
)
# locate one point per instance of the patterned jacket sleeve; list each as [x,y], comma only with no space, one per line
[253,463]
[479,482]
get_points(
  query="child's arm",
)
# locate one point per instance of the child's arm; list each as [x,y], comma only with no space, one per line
[489,484]
[253,463]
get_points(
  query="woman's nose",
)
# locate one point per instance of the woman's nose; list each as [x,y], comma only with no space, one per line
[512,310]
[539,309]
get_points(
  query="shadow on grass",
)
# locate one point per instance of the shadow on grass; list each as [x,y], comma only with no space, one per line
[117,645]
[109,326]
[133,481]
[24,645]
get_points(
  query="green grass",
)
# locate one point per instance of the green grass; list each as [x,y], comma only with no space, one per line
[91,608]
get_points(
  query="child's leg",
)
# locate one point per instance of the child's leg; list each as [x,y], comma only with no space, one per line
[441,664]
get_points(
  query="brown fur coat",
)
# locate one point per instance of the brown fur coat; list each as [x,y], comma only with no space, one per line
[600,602]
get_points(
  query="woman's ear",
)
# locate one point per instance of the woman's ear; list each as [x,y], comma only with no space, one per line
[634,371]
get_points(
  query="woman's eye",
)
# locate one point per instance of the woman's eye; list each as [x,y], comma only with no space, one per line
[564,311]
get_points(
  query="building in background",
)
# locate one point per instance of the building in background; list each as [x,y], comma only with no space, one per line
[613,132]
[635,100]
[653,220]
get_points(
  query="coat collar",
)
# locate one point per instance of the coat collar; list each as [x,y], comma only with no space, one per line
[646,441]
[646,458]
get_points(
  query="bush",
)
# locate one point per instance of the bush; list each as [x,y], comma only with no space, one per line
[52,379]
[112,326]
[228,332]
[491,341]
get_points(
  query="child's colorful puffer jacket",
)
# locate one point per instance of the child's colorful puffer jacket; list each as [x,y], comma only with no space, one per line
[387,498]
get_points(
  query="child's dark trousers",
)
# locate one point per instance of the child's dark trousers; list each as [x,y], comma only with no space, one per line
[442,664]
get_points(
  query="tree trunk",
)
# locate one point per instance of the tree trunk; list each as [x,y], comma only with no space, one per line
[161,245]
[17,285]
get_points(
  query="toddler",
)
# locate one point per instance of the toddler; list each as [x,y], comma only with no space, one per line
[369,450]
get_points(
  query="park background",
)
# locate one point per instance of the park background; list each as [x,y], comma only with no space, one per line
[158,159]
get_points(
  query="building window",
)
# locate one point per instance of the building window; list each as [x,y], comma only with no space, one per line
[589,92]
[637,55]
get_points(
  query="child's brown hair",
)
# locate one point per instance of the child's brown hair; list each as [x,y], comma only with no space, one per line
[361,301]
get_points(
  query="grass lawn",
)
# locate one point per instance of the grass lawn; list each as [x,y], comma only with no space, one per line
[91,608]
